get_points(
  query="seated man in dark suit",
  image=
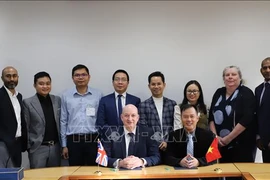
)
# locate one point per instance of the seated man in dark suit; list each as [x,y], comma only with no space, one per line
[110,106]
[134,146]
[188,146]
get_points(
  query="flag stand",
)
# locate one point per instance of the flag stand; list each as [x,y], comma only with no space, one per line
[102,158]
[98,172]
[218,170]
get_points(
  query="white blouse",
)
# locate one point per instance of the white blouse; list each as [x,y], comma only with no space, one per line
[177,123]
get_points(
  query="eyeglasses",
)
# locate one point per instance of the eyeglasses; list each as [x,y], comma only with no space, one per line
[120,79]
[80,75]
[193,91]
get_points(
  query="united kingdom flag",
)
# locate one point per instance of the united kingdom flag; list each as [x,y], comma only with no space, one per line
[102,157]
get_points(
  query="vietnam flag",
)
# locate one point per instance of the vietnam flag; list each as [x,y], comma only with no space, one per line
[213,152]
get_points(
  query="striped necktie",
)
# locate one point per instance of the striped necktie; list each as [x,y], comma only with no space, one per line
[190,145]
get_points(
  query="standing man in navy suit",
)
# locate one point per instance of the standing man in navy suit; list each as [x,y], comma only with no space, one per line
[110,106]
[135,146]
[262,94]
[157,111]
[13,132]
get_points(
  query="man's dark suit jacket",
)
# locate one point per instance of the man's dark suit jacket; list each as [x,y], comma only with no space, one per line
[177,146]
[8,122]
[263,116]
[145,147]
[107,116]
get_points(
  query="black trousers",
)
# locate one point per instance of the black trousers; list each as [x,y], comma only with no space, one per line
[82,149]
[237,154]
[266,156]
[15,151]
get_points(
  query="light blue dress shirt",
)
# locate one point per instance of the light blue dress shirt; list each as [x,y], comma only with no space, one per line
[78,112]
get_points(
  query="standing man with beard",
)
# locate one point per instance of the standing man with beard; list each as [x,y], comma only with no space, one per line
[13,133]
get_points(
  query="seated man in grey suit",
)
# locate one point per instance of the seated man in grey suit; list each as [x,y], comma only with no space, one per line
[188,146]
[134,146]
[42,115]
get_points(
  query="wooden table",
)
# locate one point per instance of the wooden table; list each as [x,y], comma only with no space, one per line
[256,171]
[155,172]
[49,173]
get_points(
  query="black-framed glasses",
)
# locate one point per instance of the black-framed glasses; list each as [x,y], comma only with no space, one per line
[193,91]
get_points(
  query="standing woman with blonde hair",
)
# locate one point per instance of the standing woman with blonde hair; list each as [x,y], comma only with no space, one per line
[231,118]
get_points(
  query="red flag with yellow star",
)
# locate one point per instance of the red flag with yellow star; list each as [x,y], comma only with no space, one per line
[213,152]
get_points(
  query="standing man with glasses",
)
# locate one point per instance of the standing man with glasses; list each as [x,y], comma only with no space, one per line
[188,146]
[157,111]
[13,132]
[78,118]
[262,94]
[42,116]
[110,106]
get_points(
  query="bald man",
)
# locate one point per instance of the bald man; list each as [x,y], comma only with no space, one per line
[132,146]
[13,134]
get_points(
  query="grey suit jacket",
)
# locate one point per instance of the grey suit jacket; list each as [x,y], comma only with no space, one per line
[35,119]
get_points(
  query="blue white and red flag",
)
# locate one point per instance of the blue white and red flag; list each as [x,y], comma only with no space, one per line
[102,157]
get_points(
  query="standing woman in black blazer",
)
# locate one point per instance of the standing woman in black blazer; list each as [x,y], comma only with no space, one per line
[13,134]
[231,117]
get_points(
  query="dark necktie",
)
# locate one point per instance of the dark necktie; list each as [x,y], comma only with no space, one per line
[190,145]
[131,144]
[266,94]
[119,109]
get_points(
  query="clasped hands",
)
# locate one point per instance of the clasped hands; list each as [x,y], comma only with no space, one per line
[131,162]
[189,162]
[224,141]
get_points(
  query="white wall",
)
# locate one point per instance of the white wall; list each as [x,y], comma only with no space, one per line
[184,40]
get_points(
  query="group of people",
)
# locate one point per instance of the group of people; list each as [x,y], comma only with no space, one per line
[134,133]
